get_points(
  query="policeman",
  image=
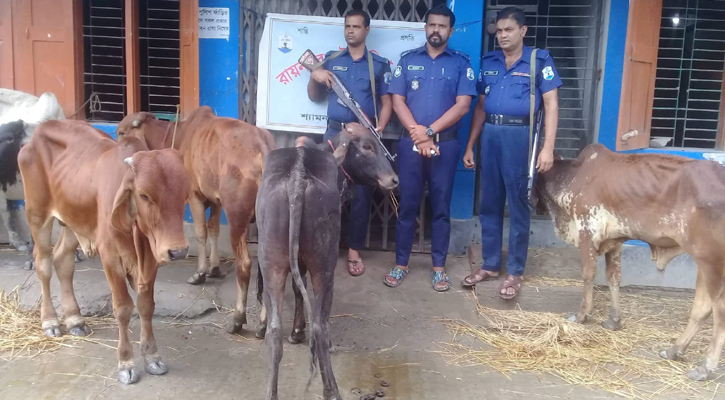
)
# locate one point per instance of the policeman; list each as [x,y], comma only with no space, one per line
[354,66]
[432,90]
[504,106]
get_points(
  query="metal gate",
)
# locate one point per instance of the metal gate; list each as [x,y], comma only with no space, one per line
[382,216]
[690,65]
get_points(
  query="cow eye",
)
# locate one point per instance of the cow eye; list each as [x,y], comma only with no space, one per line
[368,147]
[143,196]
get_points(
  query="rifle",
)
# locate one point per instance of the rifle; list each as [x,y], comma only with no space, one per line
[535,147]
[309,61]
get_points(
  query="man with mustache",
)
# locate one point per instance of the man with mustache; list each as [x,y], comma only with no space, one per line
[354,66]
[432,90]
[504,105]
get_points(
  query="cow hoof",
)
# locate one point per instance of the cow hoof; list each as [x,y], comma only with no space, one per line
[670,354]
[215,272]
[51,329]
[29,266]
[83,330]
[156,367]
[612,324]
[128,376]
[297,336]
[197,279]
[699,374]
[575,318]
[78,256]
[261,331]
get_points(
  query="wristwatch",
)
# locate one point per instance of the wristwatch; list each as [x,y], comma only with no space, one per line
[429,131]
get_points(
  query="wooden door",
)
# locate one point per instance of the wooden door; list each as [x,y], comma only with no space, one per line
[48,50]
[189,57]
[6,45]
[640,70]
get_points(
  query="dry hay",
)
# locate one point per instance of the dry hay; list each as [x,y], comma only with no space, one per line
[625,362]
[21,334]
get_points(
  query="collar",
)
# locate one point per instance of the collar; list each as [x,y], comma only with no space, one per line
[424,50]
[346,52]
[525,56]
[341,167]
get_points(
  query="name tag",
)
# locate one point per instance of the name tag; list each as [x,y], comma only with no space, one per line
[416,68]
[490,73]
[521,74]
[338,68]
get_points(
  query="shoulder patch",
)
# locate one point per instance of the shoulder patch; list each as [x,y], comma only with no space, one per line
[398,71]
[547,73]
[470,75]
[387,78]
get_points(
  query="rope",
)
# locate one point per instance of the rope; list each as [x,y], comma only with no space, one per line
[95,102]
[176,123]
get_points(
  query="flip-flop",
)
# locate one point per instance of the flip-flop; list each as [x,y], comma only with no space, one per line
[354,263]
[477,277]
[440,276]
[396,273]
[511,281]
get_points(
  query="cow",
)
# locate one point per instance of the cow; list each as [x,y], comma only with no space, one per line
[298,219]
[32,110]
[225,158]
[675,204]
[120,201]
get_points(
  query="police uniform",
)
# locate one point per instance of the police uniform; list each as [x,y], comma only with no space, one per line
[355,75]
[505,151]
[430,87]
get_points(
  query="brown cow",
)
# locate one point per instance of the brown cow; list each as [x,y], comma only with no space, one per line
[225,158]
[118,199]
[675,204]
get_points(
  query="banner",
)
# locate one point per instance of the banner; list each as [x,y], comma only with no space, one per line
[282,102]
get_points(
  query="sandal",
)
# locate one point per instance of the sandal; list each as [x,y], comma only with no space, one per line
[396,273]
[353,264]
[437,277]
[477,277]
[511,281]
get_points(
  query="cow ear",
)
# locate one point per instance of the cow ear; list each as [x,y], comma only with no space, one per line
[342,147]
[124,206]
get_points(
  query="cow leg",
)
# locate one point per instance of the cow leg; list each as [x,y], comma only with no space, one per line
[701,310]
[198,214]
[298,328]
[321,335]
[41,231]
[614,276]
[154,365]
[122,309]
[240,208]
[10,226]
[712,358]
[63,258]
[589,269]
[212,228]
[273,300]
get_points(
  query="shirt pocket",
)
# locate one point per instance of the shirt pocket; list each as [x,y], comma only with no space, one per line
[362,83]
[448,81]
[520,87]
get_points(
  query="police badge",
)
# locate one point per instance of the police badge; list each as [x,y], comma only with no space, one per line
[398,71]
[415,84]
[488,89]
[471,76]
[387,78]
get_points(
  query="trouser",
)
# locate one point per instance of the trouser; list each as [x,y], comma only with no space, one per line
[359,209]
[439,172]
[504,175]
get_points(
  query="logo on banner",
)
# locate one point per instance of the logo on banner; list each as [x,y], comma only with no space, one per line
[285,43]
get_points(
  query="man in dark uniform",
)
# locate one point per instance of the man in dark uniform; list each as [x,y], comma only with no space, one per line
[432,90]
[353,67]
[504,105]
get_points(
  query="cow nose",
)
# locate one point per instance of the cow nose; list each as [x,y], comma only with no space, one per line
[178,254]
[396,181]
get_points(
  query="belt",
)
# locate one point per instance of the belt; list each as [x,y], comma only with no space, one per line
[439,137]
[498,119]
[335,125]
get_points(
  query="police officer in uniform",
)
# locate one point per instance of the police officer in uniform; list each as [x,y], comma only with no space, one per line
[432,90]
[504,106]
[354,66]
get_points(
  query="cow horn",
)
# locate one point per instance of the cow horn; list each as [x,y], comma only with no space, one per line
[136,123]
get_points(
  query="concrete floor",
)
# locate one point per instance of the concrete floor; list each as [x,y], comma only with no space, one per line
[391,333]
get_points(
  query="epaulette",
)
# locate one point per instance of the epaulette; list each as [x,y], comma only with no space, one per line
[462,54]
[491,54]
[380,59]
[542,54]
[405,53]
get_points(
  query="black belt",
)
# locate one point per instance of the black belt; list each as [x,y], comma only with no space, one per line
[335,125]
[439,137]
[498,119]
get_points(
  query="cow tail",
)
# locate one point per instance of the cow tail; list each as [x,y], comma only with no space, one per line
[260,285]
[296,198]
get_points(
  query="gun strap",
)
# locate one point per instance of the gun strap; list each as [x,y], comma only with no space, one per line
[532,97]
[372,86]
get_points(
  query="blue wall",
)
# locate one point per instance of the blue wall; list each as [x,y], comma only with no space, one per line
[613,67]
[219,65]
[467,38]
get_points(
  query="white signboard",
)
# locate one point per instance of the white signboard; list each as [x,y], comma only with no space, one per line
[282,102]
[214,23]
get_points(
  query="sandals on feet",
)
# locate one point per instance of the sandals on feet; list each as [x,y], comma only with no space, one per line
[396,273]
[511,281]
[438,277]
[477,277]
[353,265]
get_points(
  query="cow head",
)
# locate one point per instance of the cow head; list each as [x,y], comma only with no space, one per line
[11,137]
[152,196]
[359,153]
[548,185]
[146,127]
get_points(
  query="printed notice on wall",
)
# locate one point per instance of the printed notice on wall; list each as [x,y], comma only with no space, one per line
[213,23]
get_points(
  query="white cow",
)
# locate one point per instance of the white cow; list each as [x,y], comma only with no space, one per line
[15,105]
